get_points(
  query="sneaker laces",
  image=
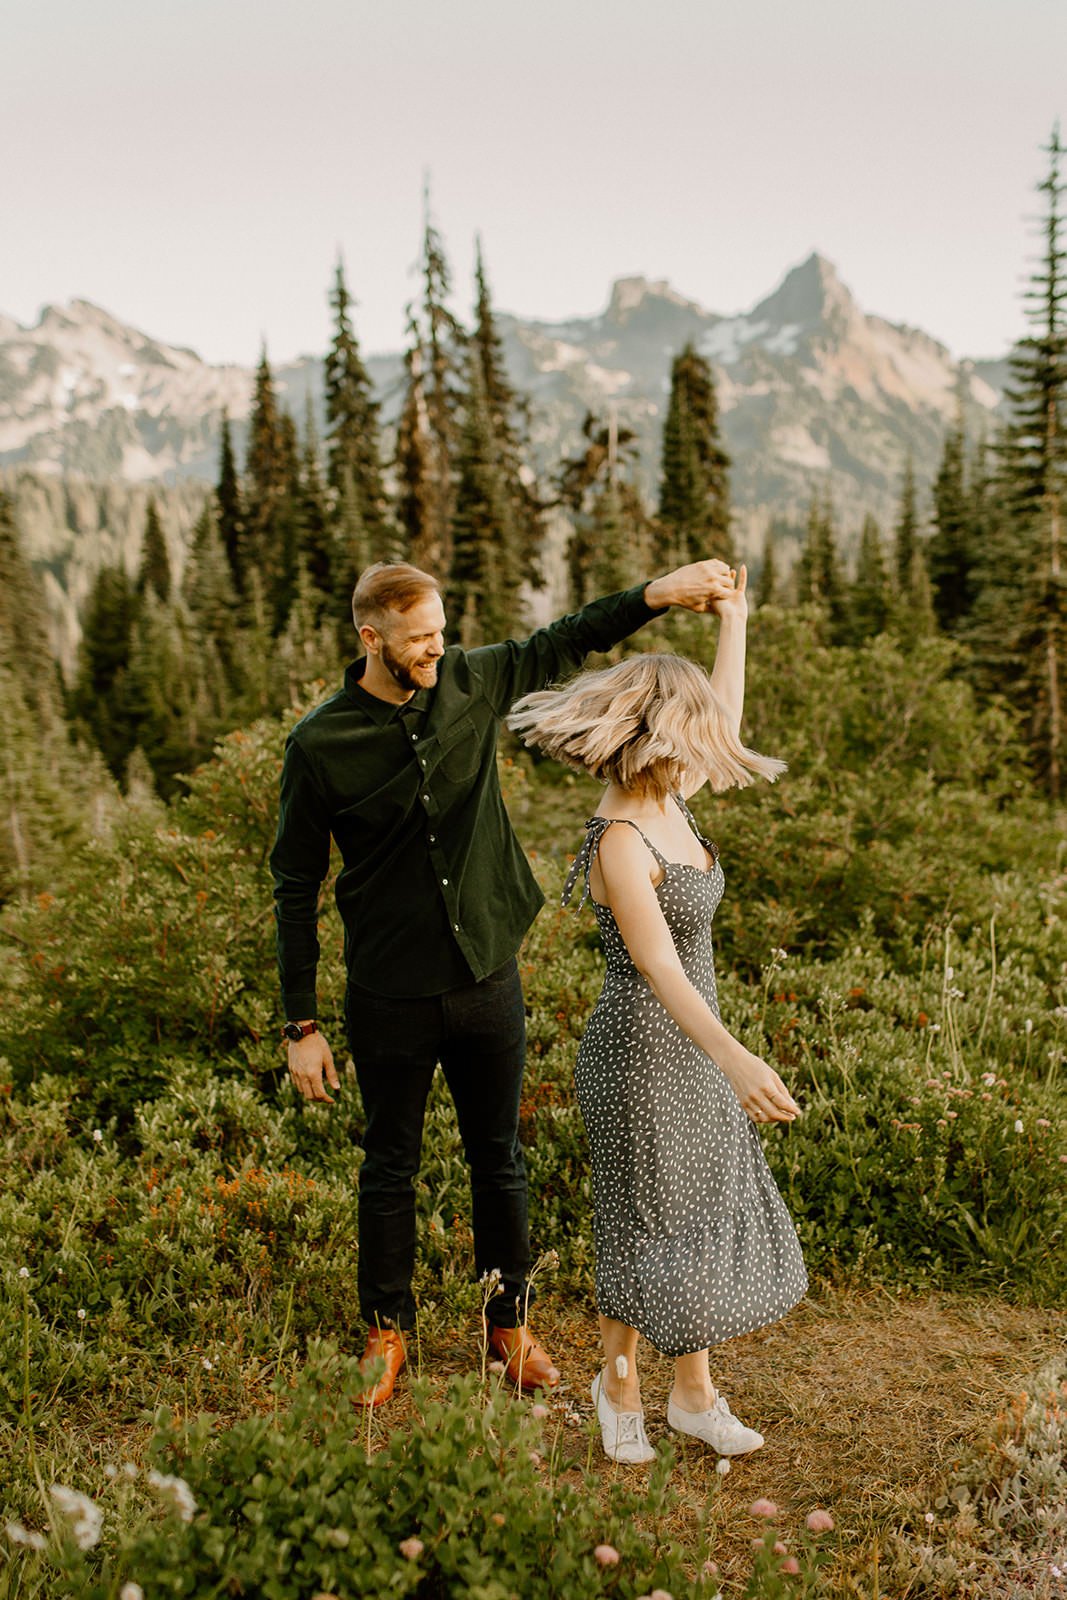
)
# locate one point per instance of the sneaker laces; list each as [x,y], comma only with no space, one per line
[627,1427]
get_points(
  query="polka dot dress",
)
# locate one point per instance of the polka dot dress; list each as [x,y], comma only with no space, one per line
[693,1242]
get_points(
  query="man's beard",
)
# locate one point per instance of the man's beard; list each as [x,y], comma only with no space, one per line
[402,675]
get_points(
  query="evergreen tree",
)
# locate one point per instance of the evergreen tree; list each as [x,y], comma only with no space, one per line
[100,698]
[318,549]
[949,551]
[768,580]
[694,505]
[352,423]
[267,477]
[230,507]
[173,712]
[507,424]
[869,597]
[610,544]
[155,561]
[906,532]
[429,429]
[486,571]
[1035,475]
[24,641]
[922,618]
[818,577]
[208,584]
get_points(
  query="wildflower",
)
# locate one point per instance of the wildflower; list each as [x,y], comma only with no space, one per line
[1028,1026]
[950,973]
[763,1508]
[819,1521]
[129,1469]
[539,1411]
[82,1313]
[131,1591]
[498,1519]
[496,1366]
[85,1516]
[535,1458]
[110,1470]
[606,1555]
[622,1367]
[989,1079]
[779,954]
[1055,1571]
[207,1364]
[174,1492]
[660,1594]
[935,1027]
[929,1518]
[722,1466]
[710,1569]
[98,1135]
[411,1549]
[780,1549]
[790,1565]
[24,1272]
[1018,1125]
[1043,1122]
[20,1535]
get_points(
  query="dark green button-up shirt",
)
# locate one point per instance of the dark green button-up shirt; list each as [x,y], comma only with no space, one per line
[435,890]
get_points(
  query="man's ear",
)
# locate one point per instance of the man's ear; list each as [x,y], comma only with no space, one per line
[370,639]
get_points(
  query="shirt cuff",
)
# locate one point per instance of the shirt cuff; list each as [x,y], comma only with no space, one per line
[300,1005]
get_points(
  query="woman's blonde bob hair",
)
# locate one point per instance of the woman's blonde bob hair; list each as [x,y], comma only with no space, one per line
[643,724]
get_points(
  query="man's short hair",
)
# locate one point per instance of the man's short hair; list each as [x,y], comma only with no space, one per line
[389,586]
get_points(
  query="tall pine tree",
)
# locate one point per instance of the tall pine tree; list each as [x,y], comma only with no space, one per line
[869,596]
[949,551]
[230,507]
[155,561]
[694,502]
[353,448]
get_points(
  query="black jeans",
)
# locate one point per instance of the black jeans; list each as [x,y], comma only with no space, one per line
[478,1034]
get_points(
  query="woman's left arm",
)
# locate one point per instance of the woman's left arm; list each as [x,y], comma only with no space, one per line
[728,673]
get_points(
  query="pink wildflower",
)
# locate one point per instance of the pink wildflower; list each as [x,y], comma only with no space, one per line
[820,1521]
[763,1508]
[539,1411]
[790,1565]
[780,1549]
[411,1548]
[606,1555]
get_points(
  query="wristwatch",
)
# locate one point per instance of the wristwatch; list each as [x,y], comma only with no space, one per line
[295,1031]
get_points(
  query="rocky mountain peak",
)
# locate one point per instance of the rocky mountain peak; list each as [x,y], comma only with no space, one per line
[629,295]
[809,294]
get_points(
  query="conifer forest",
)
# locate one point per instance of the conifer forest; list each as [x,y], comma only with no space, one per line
[180,1333]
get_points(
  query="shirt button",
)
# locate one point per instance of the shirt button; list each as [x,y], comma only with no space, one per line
[444,880]
[426,798]
[456,926]
[433,838]
[414,738]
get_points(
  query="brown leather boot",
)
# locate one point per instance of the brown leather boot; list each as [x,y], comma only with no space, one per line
[383,1344]
[524,1361]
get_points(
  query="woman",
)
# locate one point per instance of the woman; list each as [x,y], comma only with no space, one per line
[693,1242]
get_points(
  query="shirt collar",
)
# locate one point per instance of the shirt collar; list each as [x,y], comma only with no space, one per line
[379,711]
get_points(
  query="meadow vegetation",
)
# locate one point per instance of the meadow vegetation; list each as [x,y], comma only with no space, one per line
[179,1256]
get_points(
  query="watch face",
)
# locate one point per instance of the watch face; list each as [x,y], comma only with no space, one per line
[294,1031]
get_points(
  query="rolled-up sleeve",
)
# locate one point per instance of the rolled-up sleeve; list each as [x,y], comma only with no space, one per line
[299,862]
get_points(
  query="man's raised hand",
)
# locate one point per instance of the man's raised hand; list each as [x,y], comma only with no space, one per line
[311,1068]
[700,586]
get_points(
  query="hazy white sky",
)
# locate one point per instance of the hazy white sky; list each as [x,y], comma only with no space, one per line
[193,165]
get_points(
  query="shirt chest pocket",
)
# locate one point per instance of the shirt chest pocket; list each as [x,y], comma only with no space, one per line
[460,752]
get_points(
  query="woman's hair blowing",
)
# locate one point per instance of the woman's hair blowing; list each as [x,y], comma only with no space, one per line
[641,724]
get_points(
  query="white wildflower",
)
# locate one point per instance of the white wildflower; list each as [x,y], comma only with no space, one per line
[131,1591]
[84,1515]
[82,1313]
[20,1535]
[935,1027]
[110,1470]
[24,1272]
[208,1365]
[175,1493]
[722,1466]
[1018,1126]
[622,1368]
[950,973]
[1028,1025]
[129,1469]
[98,1135]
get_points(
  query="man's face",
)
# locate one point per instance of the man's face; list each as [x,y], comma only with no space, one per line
[412,643]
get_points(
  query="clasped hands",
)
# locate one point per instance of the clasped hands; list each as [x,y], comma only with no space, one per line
[702,586]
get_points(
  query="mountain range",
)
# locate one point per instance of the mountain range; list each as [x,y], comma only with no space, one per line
[814,393]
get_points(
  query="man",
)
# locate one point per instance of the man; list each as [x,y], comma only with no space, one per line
[436,895]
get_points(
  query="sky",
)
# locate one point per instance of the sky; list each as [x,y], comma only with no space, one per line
[194,166]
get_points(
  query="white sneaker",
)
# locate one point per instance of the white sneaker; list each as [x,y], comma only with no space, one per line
[717,1427]
[623,1432]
